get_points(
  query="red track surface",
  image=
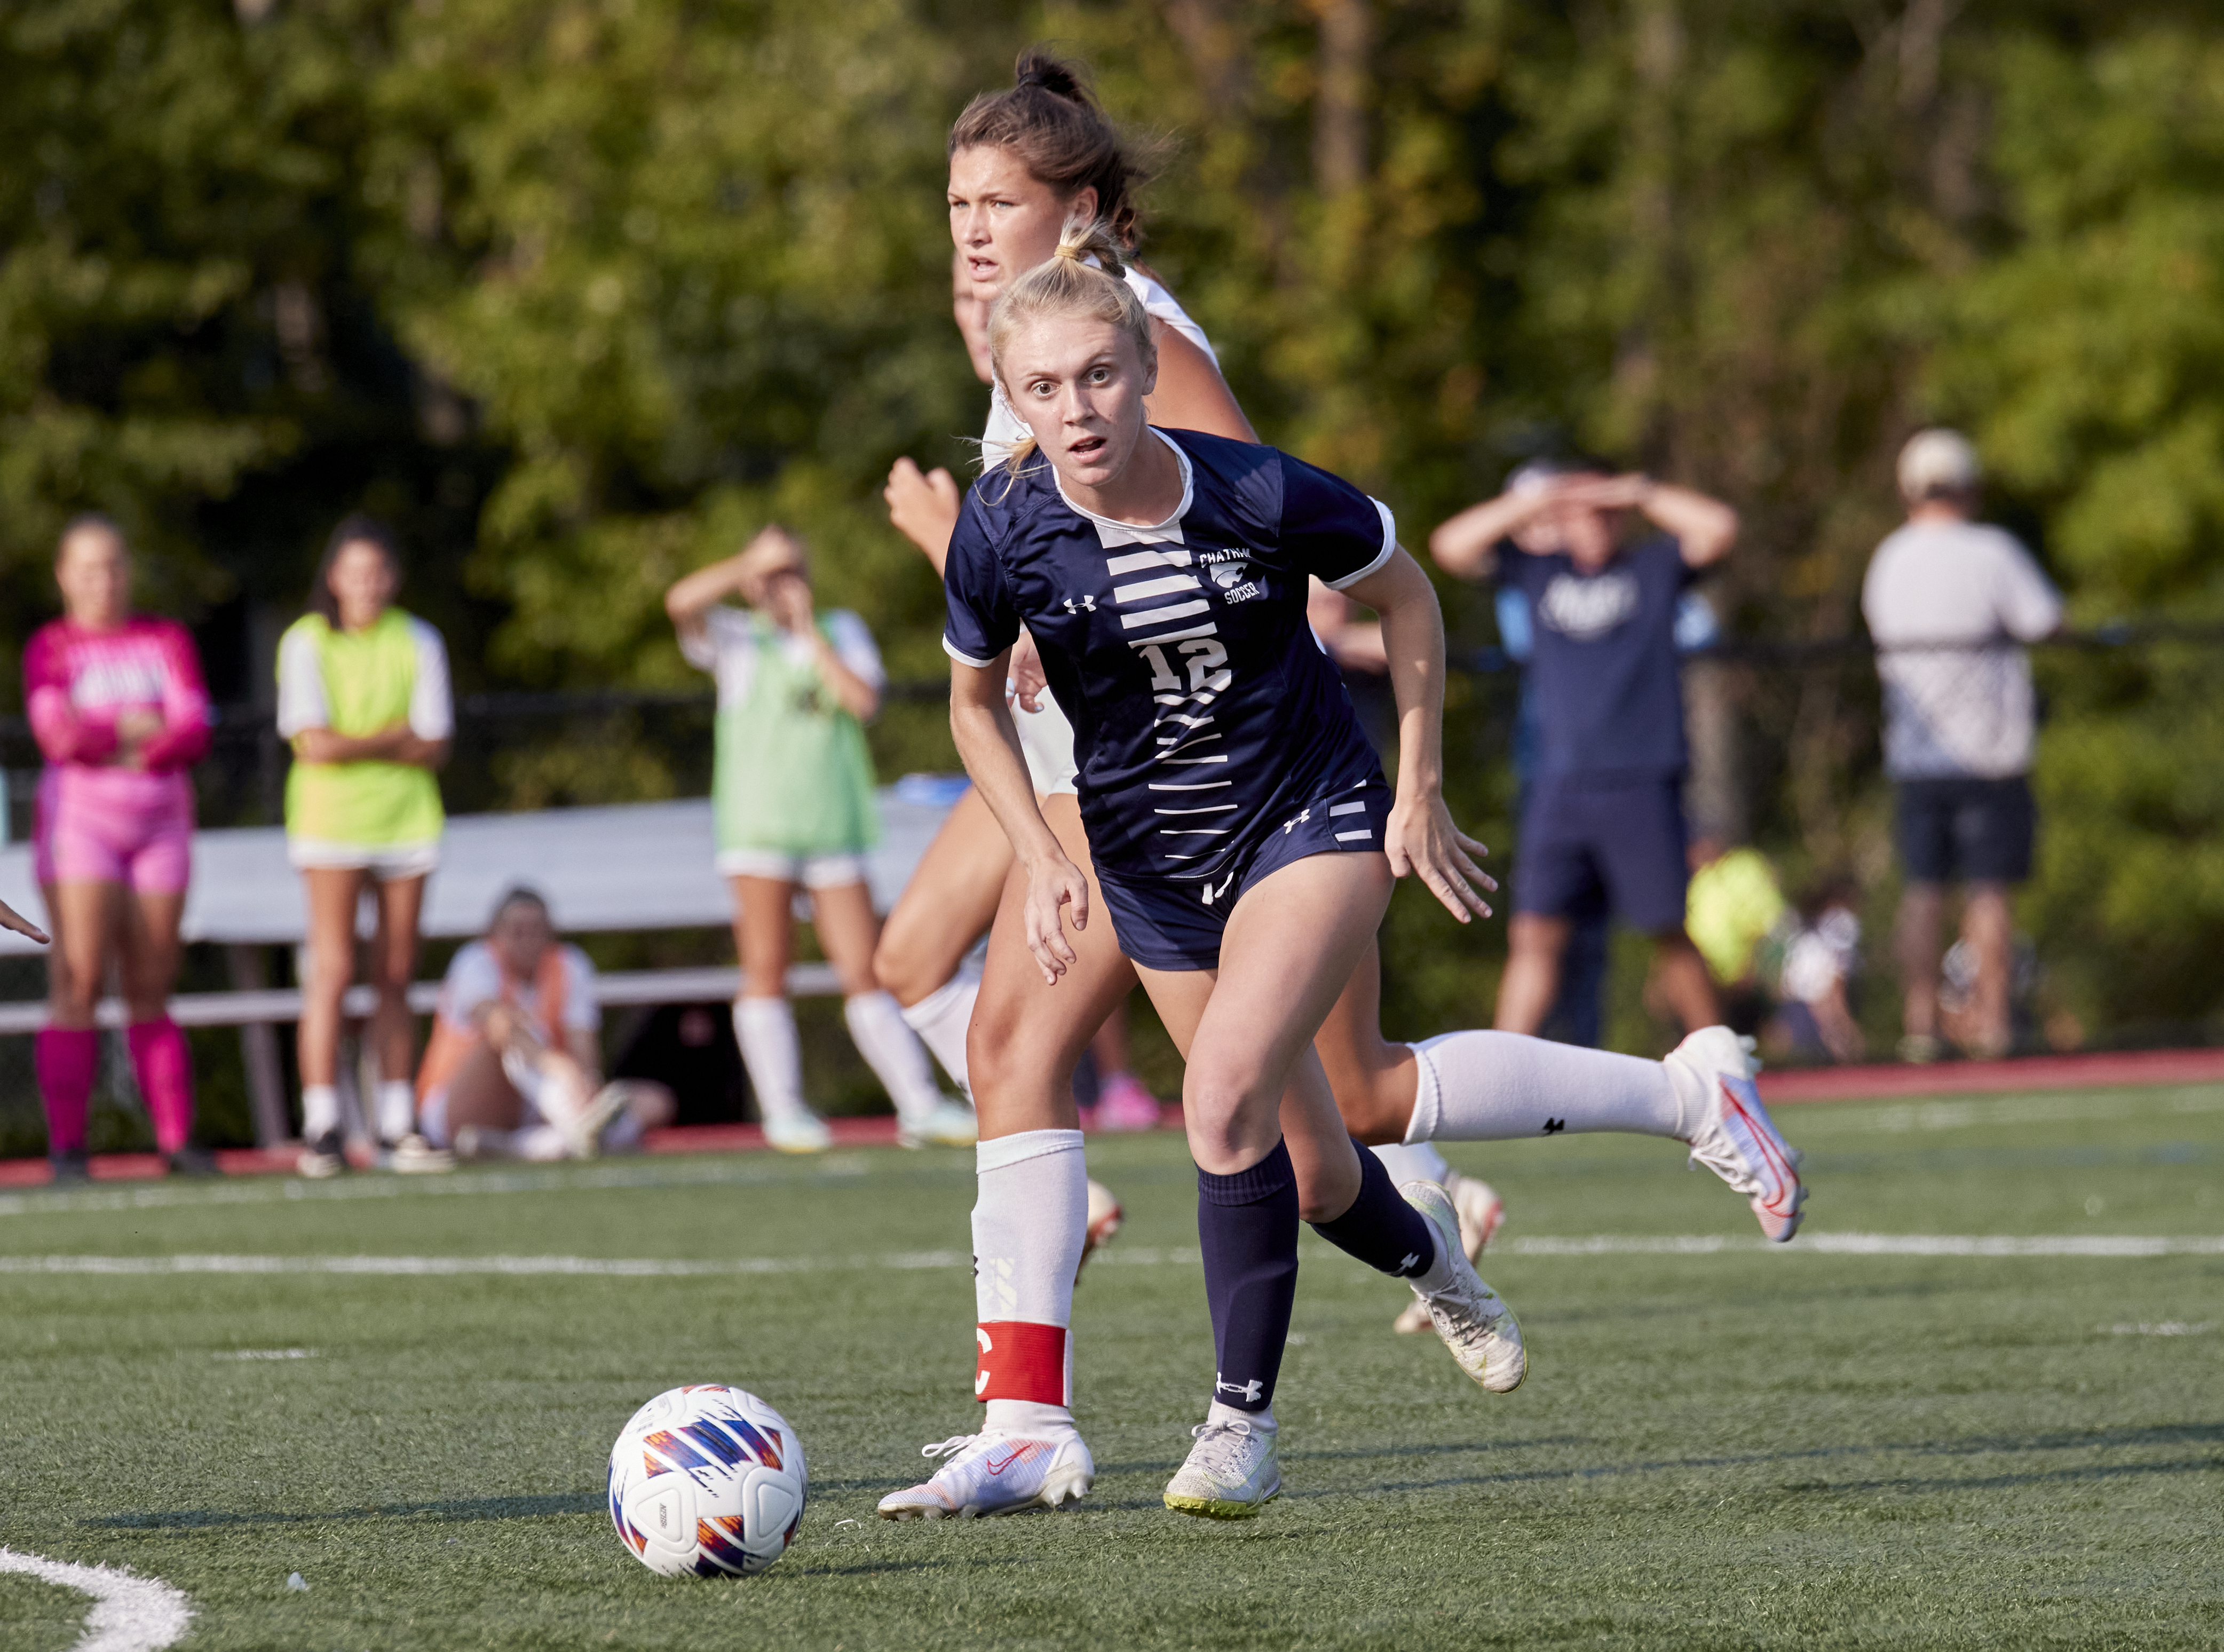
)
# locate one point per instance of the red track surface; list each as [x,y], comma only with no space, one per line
[2097,1072]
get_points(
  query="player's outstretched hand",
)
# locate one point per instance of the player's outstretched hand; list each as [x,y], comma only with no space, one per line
[11,919]
[923,505]
[1423,842]
[1024,672]
[1053,884]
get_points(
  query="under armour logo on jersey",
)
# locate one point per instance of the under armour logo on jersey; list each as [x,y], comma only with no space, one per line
[1212,894]
[1080,605]
[1554,1126]
[1413,1261]
[1291,825]
[1253,1391]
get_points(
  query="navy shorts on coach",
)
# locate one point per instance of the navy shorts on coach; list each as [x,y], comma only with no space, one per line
[1166,924]
[1583,836]
[1957,830]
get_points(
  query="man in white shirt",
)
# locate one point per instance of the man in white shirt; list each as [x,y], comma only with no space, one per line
[1949,601]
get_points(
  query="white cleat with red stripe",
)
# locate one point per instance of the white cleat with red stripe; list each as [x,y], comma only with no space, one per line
[1736,1139]
[994,1474]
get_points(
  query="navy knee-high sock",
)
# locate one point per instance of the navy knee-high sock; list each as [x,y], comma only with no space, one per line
[1247,1226]
[1381,1228]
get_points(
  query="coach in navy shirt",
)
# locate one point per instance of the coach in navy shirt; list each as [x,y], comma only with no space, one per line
[1602,561]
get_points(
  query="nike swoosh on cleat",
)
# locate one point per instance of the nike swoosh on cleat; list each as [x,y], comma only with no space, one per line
[992,1466]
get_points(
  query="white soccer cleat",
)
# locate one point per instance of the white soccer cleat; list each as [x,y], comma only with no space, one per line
[1482,1212]
[583,1130]
[1230,1474]
[994,1474]
[804,1132]
[1105,1219]
[951,1125]
[1736,1139]
[1475,1324]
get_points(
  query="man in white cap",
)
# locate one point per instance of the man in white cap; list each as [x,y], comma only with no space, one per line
[1948,603]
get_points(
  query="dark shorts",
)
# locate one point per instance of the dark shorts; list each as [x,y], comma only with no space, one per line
[1585,840]
[1170,924]
[1966,831]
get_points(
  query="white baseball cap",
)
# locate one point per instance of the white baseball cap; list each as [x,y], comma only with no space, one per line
[1936,462]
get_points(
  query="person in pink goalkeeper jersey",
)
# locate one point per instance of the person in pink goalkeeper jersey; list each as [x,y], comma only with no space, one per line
[118,706]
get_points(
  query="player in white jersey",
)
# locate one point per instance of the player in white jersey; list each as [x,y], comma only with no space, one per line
[1021,161]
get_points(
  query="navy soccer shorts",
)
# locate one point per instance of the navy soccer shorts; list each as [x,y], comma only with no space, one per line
[1975,830]
[1583,838]
[1168,924]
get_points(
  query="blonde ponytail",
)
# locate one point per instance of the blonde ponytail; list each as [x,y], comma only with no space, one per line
[1068,284]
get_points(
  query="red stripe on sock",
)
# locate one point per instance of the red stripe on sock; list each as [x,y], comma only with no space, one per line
[1020,1361]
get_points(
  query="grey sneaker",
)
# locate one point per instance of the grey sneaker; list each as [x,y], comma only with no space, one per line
[1478,1327]
[1230,1473]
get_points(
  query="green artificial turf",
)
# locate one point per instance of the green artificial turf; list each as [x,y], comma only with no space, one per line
[1747,1448]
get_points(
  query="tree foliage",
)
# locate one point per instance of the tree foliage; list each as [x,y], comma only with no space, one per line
[581,290]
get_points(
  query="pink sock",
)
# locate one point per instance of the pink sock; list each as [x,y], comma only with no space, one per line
[67,1060]
[164,1070]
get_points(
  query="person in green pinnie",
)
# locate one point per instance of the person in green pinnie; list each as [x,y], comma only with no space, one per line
[792,795]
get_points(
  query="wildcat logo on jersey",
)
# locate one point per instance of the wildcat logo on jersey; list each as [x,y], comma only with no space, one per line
[1230,573]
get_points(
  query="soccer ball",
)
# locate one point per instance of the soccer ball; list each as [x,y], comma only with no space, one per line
[707,1480]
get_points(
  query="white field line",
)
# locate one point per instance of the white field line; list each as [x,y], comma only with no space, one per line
[1604,1244]
[1897,1118]
[129,1614]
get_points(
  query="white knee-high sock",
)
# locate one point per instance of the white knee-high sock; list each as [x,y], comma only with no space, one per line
[1030,1223]
[894,1051]
[773,1054]
[1487,1086]
[1416,1161]
[942,1016]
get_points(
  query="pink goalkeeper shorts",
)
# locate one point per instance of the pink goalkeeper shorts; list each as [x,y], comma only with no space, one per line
[114,825]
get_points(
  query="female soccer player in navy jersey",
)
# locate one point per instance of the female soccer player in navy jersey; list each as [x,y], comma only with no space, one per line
[1021,159]
[1244,838]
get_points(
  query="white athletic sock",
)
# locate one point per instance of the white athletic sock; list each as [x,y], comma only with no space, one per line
[320,1109]
[397,1108]
[1262,1422]
[1440,1272]
[894,1053]
[1416,1161]
[1029,1420]
[940,1020]
[773,1054]
[1486,1086]
[1030,1222]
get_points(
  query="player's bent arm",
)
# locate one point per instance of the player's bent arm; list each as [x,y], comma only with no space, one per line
[421,753]
[694,595]
[1467,545]
[1705,528]
[1191,393]
[585,1048]
[981,723]
[326,745]
[1420,837]
[924,506]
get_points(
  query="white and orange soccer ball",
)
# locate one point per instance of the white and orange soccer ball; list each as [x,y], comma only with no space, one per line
[707,1481]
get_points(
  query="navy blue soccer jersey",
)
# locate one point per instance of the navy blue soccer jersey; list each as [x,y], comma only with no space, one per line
[1206,714]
